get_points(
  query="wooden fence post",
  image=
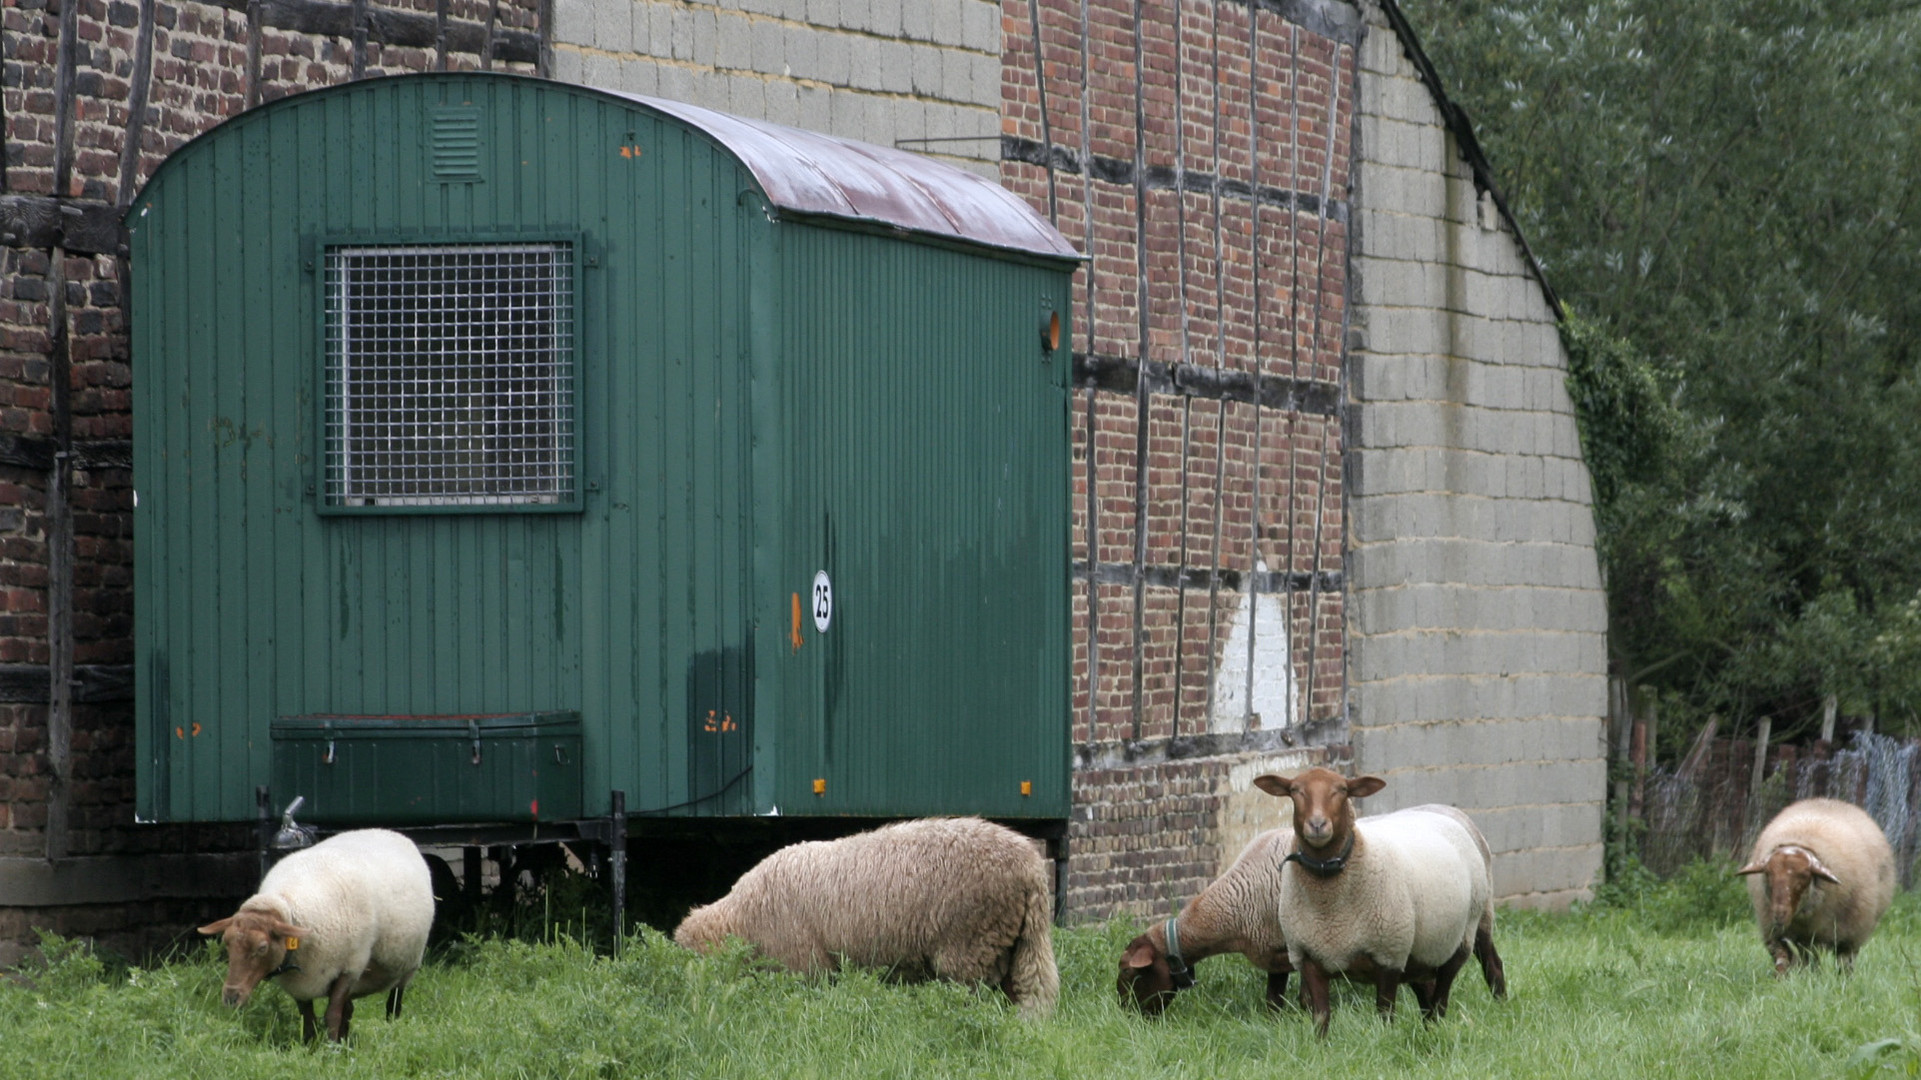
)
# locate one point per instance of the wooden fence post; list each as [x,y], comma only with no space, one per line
[1762,733]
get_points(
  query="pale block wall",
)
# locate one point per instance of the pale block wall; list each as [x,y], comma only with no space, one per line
[1477,659]
[922,76]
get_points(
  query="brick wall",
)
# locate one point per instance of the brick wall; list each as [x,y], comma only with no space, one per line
[95,94]
[1200,156]
[1477,670]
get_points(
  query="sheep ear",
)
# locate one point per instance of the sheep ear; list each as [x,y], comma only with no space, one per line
[1362,786]
[1820,869]
[217,927]
[1755,867]
[287,929]
[1140,954]
[1274,785]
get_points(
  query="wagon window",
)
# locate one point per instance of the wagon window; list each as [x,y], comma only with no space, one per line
[450,376]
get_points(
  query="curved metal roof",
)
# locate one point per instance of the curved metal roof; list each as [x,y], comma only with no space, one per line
[811,173]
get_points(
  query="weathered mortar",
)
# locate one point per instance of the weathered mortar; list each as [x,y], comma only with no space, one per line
[1477,674]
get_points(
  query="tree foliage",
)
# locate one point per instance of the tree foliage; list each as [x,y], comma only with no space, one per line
[1723,194]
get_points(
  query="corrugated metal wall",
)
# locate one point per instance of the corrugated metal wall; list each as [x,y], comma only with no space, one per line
[757,401]
[251,605]
[930,480]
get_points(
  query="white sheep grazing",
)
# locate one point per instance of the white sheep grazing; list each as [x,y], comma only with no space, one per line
[1821,874]
[1238,913]
[343,919]
[952,898]
[1405,896]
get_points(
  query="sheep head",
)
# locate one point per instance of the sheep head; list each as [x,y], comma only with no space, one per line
[1146,979]
[257,947]
[1323,813]
[1791,871]
[703,928]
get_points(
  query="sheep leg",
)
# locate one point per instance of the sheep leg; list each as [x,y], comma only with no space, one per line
[1277,990]
[1844,959]
[307,1026]
[1783,955]
[1314,991]
[1387,988]
[1444,983]
[347,1018]
[393,1002]
[337,1006]
[1491,967]
[1423,994]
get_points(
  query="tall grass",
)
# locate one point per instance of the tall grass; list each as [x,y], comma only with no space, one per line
[1669,981]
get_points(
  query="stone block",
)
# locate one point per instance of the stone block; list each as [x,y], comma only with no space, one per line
[925,68]
[864,63]
[640,77]
[600,70]
[885,17]
[573,23]
[660,31]
[987,81]
[770,48]
[957,75]
[783,102]
[746,96]
[1405,331]
[813,110]
[917,20]
[614,26]
[733,42]
[1388,232]
[896,67]
[834,58]
[802,52]
[1405,191]
[569,65]
[713,90]
[981,26]
[676,83]
[706,38]
[946,24]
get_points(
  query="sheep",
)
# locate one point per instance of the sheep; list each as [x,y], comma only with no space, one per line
[1402,897]
[1821,874]
[951,898]
[343,919]
[1239,912]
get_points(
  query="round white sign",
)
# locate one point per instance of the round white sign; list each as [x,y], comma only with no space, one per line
[823,601]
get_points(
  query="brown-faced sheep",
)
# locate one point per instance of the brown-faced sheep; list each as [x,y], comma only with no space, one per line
[1820,875]
[343,919]
[1238,913]
[1405,896]
[951,898]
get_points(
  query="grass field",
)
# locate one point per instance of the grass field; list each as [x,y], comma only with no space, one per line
[1670,982]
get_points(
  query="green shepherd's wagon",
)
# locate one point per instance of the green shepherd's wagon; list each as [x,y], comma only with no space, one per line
[507,450]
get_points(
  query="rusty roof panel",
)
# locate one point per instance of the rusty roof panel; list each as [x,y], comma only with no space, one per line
[811,173]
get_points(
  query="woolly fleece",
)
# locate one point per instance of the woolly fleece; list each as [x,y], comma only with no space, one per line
[953,898]
[1839,917]
[365,899]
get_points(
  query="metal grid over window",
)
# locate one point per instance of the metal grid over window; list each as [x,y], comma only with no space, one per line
[450,375]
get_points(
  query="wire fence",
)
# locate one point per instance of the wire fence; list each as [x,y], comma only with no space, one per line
[1708,805]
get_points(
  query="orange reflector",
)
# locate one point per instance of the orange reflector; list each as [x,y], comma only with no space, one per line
[820,787]
[1027,787]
